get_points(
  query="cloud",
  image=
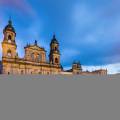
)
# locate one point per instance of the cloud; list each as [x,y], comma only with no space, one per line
[68,55]
[96,33]
[31,33]
[22,5]
[111,68]
[1,39]
[82,16]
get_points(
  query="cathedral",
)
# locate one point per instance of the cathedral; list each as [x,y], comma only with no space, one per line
[34,60]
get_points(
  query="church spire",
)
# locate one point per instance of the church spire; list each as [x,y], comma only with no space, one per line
[54,56]
[10,21]
[54,37]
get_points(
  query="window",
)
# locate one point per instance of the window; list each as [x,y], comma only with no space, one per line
[22,72]
[9,37]
[55,48]
[39,58]
[40,73]
[56,60]
[32,56]
[78,73]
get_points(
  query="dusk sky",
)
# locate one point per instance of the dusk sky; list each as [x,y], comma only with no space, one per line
[87,30]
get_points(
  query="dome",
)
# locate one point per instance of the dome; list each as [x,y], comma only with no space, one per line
[54,40]
[9,27]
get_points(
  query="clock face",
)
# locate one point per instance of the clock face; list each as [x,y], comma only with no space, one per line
[9,41]
[9,54]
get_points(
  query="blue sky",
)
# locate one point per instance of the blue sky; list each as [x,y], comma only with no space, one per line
[87,30]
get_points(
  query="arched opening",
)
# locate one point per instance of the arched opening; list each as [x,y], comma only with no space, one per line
[22,72]
[40,73]
[39,58]
[56,60]
[9,37]
[55,48]
[32,56]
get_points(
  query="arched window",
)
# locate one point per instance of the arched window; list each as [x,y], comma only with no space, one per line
[56,60]
[78,73]
[39,58]
[40,73]
[9,53]
[55,48]
[9,37]
[22,72]
[32,56]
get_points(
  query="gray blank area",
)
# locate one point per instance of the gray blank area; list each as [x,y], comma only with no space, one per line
[59,97]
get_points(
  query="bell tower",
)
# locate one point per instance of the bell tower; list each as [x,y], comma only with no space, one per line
[54,56]
[76,68]
[8,44]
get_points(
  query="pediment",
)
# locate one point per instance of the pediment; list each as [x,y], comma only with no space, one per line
[35,47]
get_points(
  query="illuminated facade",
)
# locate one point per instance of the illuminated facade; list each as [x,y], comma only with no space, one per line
[34,60]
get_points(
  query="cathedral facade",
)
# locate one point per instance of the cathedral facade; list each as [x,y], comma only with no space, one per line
[34,60]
